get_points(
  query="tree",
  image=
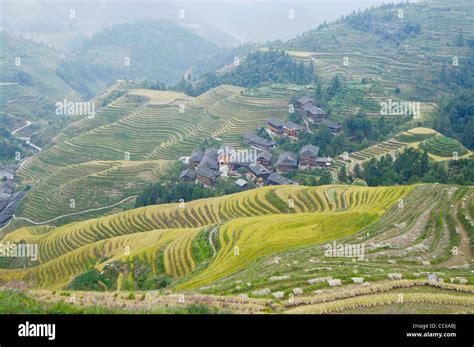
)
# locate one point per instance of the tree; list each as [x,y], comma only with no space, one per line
[424,163]
[335,87]
[359,126]
[325,178]
[454,117]
[468,133]
[357,171]
[343,178]
[318,93]
[340,144]
[324,137]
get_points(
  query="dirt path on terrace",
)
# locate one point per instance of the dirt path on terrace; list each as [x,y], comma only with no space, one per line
[464,255]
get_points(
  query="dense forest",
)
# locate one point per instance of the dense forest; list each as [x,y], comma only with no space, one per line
[412,166]
[256,69]
[455,114]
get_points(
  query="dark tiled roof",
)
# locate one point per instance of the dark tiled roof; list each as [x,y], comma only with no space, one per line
[258,141]
[209,159]
[287,159]
[3,204]
[292,126]
[4,217]
[309,151]
[265,155]
[211,152]
[275,123]
[240,163]
[13,203]
[204,171]
[6,187]
[305,100]
[313,110]
[188,173]
[275,178]
[196,156]
[259,170]
[331,124]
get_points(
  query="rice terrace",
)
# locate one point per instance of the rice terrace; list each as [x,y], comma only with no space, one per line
[156,161]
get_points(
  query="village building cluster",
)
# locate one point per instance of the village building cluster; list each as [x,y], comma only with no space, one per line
[315,115]
[9,199]
[258,164]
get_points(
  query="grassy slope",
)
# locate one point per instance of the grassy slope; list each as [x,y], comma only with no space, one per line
[12,302]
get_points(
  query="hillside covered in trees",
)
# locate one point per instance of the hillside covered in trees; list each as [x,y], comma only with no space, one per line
[256,69]
[154,49]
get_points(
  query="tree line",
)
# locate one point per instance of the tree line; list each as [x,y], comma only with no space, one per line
[411,166]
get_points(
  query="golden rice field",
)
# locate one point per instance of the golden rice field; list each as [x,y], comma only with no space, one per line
[244,240]
[59,271]
[313,218]
[270,241]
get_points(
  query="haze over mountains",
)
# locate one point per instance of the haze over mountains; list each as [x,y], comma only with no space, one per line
[225,23]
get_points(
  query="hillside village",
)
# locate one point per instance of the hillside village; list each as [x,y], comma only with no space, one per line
[261,163]
[9,199]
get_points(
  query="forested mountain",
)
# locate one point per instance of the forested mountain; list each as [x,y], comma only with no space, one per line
[29,83]
[159,50]
[254,70]
[455,114]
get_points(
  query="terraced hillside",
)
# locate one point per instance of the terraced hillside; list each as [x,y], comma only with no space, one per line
[413,239]
[271,244]
[439,148]
[90,185]
[68,241]
[443,146]
[88,162]
[404,46]
[29,84]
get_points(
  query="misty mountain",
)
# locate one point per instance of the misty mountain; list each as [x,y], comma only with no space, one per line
[154,49]
[29,83]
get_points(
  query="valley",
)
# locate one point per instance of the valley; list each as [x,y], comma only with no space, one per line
[330,173]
